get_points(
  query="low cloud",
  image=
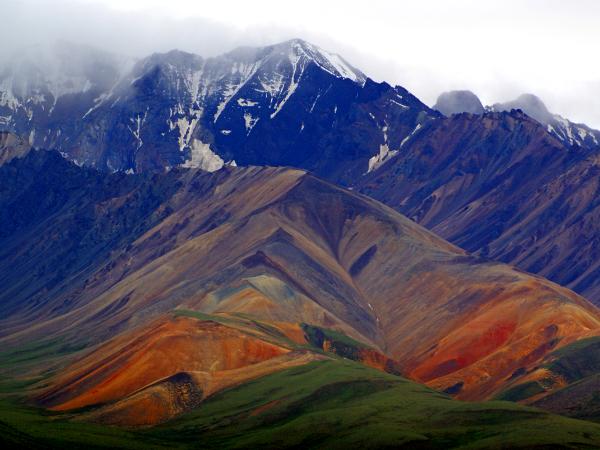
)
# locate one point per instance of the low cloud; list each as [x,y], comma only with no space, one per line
[496,49]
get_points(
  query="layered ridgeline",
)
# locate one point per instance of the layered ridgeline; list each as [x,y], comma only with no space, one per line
[290,104]
[135,299]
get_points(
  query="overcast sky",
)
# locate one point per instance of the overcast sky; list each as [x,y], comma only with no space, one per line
[496,48]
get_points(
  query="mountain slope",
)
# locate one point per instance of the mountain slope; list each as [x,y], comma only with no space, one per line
[499,185]
[277,245]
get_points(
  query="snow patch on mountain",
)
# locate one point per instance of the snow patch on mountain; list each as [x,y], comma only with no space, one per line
[202,157]
[8,98]
[563,129]
[138,121]
[271,87]
[98,101]
[250,122]
[246,71]
[403,106]
[384,153]
[298,65]
[381,158]
[406,139]
[246,103]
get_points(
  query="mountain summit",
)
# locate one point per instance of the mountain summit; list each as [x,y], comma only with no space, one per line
[297,49]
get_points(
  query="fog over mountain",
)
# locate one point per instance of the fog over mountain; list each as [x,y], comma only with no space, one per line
[546,49]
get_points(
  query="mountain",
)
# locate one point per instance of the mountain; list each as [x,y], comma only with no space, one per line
[455,102]
[500,186]
[290,104]
[124,282]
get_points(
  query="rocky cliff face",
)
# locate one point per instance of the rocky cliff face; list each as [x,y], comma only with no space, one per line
[12,146]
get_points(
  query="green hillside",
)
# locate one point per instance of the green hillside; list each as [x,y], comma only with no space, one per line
[329,404]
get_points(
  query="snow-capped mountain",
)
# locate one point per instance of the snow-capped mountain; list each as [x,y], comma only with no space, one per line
[286,104]
[568,132]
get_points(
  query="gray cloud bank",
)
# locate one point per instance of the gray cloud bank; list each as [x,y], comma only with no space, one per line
[32,22]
